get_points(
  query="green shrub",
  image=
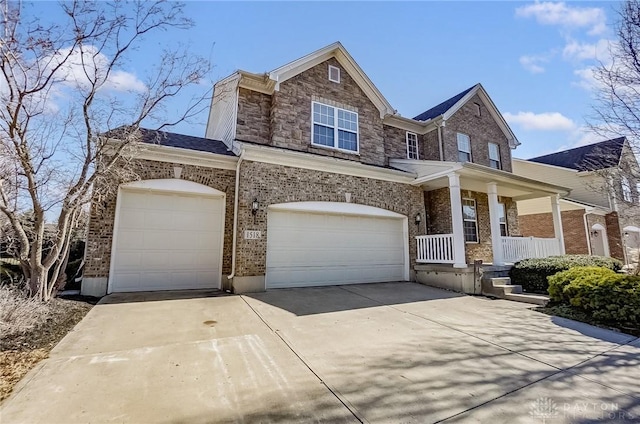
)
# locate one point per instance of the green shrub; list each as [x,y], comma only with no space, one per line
[532,274]
[600,292]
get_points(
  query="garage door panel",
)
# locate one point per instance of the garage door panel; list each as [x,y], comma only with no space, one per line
[167,241]
[311,249]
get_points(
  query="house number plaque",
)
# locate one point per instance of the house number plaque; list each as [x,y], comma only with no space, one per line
[252,234]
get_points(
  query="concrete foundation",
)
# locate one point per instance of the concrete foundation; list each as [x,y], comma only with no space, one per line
[253,284]
[95,286]
[463,280]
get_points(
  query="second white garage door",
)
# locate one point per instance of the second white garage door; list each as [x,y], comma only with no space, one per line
[317,249]
[167,241]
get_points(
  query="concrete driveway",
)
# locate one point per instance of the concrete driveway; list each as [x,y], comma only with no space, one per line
[397,352]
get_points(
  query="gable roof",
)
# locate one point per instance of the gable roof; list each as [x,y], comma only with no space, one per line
[442,107]
[450,106]
[269,82]
[602,155]
[181,141]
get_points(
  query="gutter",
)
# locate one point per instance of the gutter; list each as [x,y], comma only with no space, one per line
[235,219]
[440,146]
[587,232]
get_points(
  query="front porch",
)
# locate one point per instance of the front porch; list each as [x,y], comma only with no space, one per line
[472,214]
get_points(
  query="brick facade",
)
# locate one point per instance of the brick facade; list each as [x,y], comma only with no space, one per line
[253,120]
[102,214]
[575,235]
[614,233]
[481,130]
[273,184]
[438,207]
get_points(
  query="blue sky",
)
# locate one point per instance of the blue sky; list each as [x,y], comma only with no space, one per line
[532,58]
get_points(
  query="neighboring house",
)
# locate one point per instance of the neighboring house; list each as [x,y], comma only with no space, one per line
[601,215]
[308,176]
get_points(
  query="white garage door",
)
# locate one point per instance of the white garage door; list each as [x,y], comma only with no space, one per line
[167,241]
[319,249]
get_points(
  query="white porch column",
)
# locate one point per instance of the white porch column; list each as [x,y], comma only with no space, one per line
[456,221]
[494,218]
[557,220]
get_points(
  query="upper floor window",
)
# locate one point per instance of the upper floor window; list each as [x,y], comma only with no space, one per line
[502,216]
[626,189]
[470,220]
[412,145]
[334,74]
[334,127]
[494,156]
[464,148]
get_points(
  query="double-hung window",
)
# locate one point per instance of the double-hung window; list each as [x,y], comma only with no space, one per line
[464,148]
[502,216]
[494,156]
[470,220]
[334,127]
[412,145]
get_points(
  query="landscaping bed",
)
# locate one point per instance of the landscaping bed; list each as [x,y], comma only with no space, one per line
[30,330]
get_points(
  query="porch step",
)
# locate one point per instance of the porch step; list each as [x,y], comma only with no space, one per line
[500,281]
[535,299]
[509,288]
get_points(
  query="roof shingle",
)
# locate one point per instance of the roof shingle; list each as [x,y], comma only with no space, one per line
[442,107]
[605,154]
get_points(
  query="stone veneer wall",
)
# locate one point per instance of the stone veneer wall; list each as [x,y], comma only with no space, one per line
[438,206]
[273,184]
[290,114]
[253,120]
[102,214]
[481,130]
[430,146]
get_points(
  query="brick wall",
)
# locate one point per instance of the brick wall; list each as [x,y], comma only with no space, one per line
[541,225]
[430,146]
[395,142]
[273,184]
[614,234]
[291,113]
[102,214]
[480,129]
[253,120]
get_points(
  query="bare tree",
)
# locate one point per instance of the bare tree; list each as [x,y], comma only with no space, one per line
[63,90]
[617,94]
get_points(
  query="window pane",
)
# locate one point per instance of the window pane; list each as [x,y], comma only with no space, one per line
[347,140]
[470,233]
[347,120]
[469,209]
[494,152]
[464,145]
[412,146]
[323,135]
[323,114]
[464,157]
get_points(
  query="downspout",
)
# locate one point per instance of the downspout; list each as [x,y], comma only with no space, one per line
[440,147]
[235,219]
[586,230]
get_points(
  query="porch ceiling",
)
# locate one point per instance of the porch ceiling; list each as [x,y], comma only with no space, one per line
[432,175]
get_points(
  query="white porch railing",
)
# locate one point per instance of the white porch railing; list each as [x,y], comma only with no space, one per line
[517,248]
[437,248]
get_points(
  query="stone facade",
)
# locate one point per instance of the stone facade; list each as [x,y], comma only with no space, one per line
[430,146]
[481,130]
[102,215]
[273,184]
[438,207]
[253,120]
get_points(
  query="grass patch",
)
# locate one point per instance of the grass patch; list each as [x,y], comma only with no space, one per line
[30,330]
[567,311]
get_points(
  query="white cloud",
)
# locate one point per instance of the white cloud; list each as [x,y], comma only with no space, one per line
[576,51]
[546,121]
[551,13]
[83,67]
[533,64]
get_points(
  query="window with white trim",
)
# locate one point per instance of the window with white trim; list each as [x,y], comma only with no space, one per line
[470,220]
[494,156]
[334,74]
[502,217]
[334,127]
[464,148]
[626,189]
[412,145]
